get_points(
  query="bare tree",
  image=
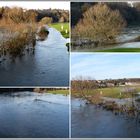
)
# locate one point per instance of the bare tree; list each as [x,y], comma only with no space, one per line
[100,23]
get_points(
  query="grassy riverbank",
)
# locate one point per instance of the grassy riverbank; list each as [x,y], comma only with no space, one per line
[37,90]
[59,91]
[112,92]
[121,50]
[62,27]
[116,92]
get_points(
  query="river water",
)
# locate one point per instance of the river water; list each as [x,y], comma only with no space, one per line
[33,115]
[128,33]
[47,66]
[89,121]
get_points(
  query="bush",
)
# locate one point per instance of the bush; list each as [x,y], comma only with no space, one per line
[46,20]
[1,12]
[43,33]
[62,19]
[17,37]
[100,23]
[18,15]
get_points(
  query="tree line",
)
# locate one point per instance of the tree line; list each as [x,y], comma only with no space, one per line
[129,13]
[38,90]
[87,83]
[18,15]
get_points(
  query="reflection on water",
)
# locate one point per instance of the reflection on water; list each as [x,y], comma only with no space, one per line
[48,66]
[28,114]
[128,33]
[90,121]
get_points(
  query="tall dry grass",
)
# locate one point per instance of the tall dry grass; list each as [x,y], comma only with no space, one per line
[15,36]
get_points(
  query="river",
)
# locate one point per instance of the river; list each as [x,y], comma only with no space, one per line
[32,115]
[89,121]
[128,33]
[47,66]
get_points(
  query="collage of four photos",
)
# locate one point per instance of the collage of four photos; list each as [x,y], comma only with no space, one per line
[69,69]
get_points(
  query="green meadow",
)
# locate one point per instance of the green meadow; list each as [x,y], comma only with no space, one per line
[62,27]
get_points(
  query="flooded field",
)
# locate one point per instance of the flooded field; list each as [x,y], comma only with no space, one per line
[33,115]
[127,34]
[89,121]
[48,65]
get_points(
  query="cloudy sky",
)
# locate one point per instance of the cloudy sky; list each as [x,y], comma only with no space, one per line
[37,4]
[105,66]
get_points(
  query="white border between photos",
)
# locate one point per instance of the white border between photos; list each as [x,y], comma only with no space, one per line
[70,128]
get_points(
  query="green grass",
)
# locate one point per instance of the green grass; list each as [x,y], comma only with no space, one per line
[121,50]
[57,26]
[113,92]
[62,91]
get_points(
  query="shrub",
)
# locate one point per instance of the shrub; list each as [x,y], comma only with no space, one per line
[46,20]
[17,37]
[62,19]
[43,33]
[18,15]
[1,12]
[100,23]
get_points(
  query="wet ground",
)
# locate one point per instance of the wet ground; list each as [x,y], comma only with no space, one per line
[128,33]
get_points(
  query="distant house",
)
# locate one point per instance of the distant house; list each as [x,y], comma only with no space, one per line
[110,84]
[117,82]
[128,83]
[101,84]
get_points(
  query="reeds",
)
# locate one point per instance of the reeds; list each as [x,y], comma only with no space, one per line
[16,36]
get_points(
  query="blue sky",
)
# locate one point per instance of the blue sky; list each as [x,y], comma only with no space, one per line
[105,66]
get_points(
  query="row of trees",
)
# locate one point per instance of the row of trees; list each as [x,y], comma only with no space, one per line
[129,13]
[81,83]
[3,90]
[30,89]
[19,15]
[57,15]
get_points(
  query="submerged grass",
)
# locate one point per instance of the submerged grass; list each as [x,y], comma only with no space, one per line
[17,36]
